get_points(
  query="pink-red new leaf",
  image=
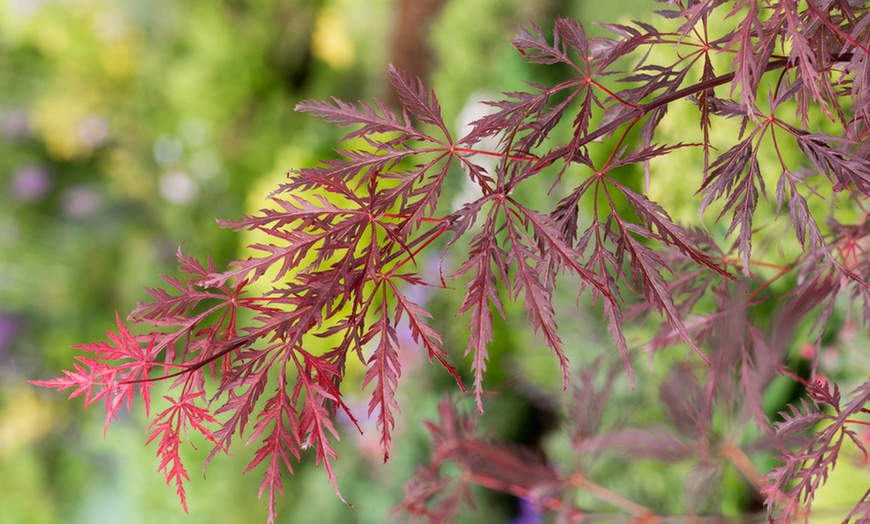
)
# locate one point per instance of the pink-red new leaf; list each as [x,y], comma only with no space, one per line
[168,425]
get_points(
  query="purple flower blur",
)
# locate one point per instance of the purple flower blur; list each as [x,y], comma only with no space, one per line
[30,183]
[529,514]
[10,326]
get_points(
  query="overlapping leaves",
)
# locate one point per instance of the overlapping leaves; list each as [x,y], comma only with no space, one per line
[344,236]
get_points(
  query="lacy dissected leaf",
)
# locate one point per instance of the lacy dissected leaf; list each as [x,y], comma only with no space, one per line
[799,420]
[372,121]
[515,114]
[335,245]
[316,426]
[805,227]
[825,393]
[737,175]
[250,372]
[827,153]
[482,290]
[606,51]
[417,100]
[645,264]
[281,415]
[356,169]
[167,306]
[534,45]
[537,293]
[182,417]
[384,369]
[121,368]
[792,486]
[861,511]
[421,332]
[656,219]
[559,254]
[753,43]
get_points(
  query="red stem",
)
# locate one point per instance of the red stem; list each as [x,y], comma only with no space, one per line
[421,247]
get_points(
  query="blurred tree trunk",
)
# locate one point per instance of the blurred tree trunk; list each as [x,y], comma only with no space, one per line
[410,50]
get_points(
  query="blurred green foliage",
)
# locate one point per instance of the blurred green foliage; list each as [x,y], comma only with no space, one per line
[126,128]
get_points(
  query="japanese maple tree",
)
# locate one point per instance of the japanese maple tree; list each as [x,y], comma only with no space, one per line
[345,238]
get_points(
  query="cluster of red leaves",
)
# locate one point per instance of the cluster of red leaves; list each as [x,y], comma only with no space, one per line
[345,235]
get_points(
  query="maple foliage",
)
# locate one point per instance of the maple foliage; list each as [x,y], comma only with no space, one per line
[345,237]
